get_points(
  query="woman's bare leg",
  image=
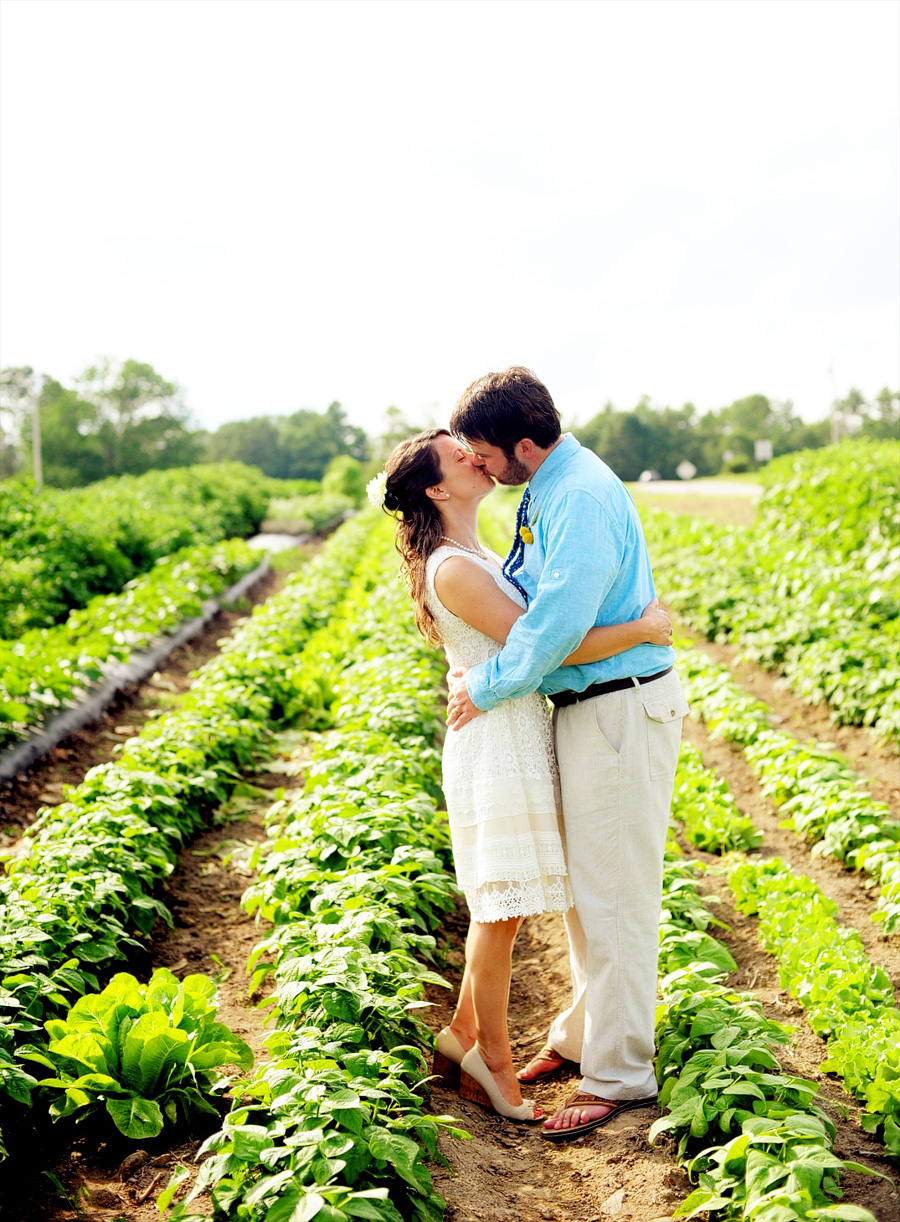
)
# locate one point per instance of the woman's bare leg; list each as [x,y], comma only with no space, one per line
[480,1015]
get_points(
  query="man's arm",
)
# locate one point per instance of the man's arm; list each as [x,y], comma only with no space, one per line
[583,552]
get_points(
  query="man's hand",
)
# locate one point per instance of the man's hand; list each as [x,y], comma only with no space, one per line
[657,624]
[460,708]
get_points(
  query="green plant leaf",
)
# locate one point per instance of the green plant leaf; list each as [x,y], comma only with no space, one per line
[136,1118]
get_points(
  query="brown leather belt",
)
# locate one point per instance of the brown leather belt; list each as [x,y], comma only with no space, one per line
[560,699]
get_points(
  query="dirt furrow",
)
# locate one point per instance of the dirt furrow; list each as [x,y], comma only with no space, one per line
[878,763]
[509,1173]
[854,893]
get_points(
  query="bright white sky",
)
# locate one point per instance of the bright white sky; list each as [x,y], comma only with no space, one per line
[283,202]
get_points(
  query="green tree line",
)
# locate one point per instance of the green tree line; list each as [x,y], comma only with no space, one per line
[125,418]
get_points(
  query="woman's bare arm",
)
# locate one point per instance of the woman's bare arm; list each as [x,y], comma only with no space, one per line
[470,592]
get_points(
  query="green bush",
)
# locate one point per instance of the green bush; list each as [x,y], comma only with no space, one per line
[344,476]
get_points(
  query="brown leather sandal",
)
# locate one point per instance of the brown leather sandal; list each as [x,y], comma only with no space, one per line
[555,1064]
[581,1097]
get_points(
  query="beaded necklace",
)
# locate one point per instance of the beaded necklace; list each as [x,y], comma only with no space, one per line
[462,547]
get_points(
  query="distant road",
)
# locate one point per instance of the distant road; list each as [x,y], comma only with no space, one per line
[695,487]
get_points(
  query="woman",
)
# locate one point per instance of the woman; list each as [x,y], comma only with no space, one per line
[499,772]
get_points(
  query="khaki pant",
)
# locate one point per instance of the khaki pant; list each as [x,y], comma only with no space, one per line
[617,755]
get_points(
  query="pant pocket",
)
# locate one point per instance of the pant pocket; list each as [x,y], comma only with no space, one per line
[609,722]
[664,714]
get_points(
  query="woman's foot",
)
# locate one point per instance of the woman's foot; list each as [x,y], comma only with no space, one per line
[449,1050]
[495,1088]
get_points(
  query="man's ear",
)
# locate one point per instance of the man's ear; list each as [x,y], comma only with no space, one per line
[524,450]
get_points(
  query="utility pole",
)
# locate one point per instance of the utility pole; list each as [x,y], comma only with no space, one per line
[36,443]
[835,410]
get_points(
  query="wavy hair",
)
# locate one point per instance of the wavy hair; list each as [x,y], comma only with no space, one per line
[502,408]
[413,466]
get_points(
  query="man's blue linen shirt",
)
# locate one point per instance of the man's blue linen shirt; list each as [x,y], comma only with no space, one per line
[588,565]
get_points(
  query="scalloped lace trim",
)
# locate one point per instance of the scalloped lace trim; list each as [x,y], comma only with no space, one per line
[501,901]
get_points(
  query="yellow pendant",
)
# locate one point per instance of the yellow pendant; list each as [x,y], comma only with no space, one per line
[525,535]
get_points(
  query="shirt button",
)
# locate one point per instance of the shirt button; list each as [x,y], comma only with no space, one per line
[671,712]
[556,572]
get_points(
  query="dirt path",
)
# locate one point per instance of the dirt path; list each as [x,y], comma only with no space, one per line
[739,508]
[508,1173]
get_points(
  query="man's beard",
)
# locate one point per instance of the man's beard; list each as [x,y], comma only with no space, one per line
[513,473]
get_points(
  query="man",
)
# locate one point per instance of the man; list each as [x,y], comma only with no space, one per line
[581,560]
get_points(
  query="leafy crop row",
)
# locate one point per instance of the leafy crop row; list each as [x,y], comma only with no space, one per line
[827,615]
[703,802]
[765,1149]
[823,798]
[81,892]
[848,1000]
[353,880]
[843,497]
[307,514]
[49,668]
[62,548]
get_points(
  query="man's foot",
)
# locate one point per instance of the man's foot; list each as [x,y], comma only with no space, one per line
[582,1113]
[546,1065]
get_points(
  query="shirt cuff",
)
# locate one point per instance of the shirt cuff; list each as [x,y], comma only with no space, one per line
[478,689]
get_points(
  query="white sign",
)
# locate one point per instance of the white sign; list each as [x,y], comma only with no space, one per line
[762,450]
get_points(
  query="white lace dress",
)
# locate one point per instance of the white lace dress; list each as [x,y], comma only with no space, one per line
[501,784]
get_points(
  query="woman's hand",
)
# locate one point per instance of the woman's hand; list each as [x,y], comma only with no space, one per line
[657,625]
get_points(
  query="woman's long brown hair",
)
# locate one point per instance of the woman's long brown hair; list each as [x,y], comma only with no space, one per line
[412,467]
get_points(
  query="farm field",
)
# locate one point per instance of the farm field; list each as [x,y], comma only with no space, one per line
[299,769]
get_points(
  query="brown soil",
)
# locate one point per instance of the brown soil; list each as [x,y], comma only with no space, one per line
[509,1173]
[854,893]
[758,972]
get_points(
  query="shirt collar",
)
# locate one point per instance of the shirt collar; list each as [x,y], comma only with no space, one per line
[553,463]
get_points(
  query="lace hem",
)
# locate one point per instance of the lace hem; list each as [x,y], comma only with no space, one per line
[504,861]
[499,901]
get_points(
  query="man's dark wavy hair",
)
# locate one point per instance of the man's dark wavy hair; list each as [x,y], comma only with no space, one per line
[502,408]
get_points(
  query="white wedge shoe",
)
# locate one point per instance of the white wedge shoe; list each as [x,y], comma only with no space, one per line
[477,1083]
[448,1056]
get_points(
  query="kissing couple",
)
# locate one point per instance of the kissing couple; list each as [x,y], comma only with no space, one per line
[563,813]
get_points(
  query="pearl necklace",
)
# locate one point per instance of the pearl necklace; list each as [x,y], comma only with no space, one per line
[462,547]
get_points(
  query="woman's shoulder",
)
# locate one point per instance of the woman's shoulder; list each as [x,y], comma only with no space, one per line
[437,558]
[440,554]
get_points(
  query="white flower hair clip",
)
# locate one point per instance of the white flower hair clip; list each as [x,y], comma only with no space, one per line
[376,489]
